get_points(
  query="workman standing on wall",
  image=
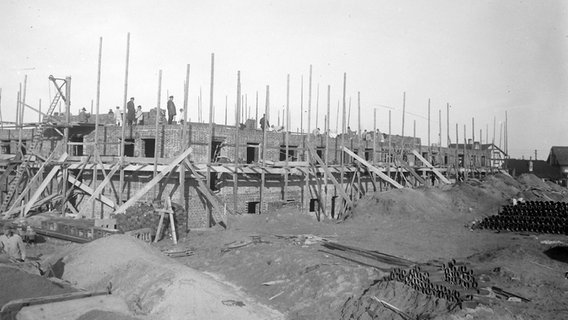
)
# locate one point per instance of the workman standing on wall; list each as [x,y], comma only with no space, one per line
[12,245]
[130,112]
[171,110]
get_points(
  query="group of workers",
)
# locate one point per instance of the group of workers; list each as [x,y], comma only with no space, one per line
[135,115]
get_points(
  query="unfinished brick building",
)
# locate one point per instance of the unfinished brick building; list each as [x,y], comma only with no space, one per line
[89,167]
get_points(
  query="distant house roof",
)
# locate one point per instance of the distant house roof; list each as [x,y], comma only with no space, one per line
[558,156]
[540,168]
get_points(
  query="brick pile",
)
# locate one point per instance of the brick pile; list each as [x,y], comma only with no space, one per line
[142,215]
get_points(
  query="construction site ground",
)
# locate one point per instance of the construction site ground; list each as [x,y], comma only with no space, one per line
[277,259]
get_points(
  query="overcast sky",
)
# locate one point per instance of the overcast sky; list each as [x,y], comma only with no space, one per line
[482,57]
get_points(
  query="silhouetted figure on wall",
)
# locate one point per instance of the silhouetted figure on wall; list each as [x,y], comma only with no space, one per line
[130,112]
[171,110]
[264,122]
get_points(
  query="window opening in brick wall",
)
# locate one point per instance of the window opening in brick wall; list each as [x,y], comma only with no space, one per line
[23,149]
[483,162]
[292,153]
[369,154]
[252,206]
[445,159]
[333,202]
[215,149]
[313,205]
[149,147]
[253,152]
[6,147]
[129,147]
[77,149]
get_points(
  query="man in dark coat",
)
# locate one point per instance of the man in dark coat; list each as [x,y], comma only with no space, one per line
[171,110]
[264,122]
[130,112]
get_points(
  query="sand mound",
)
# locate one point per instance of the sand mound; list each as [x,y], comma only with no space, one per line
[473,198]
[154,284]
[17,284]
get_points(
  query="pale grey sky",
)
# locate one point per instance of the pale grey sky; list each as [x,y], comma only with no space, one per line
[483,57]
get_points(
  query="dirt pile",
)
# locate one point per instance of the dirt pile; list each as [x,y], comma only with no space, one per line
[472,198]
[17,284]
[154,284]
[411,302]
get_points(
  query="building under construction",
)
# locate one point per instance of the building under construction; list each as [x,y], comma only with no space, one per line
[90,167]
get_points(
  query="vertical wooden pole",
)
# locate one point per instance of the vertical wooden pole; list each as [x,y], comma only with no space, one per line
[39,113]
[374,135]
[390,144]
[337,118]
[429,144]
[302,105]
[472,130]
[237,122]
[439,136]
[448,125]
[465,160]
[349,118]
[23,104]
[341,153]
[487,134]
[17,122]
[157,133]
[123,122]
[494,126]
[414,133]
[287,137]
[97,106]
[184,141]
[403,112]
[325,211]
[66,137]
[211,132]
[264,138]
[360,132]
[309,133]
[317,105]
[226,105]
[256,112]
[456,152]
[506,134]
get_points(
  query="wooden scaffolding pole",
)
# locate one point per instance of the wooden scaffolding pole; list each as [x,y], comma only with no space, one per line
[287,138]
[157,131]
[123,122]
[97,105]
[341,155]
[429,135]
[307,195]
[327,131]
[237,122]
[264,143]
[66,138]
[184,140]
[211,129]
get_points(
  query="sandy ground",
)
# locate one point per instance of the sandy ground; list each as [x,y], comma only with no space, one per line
[276,261]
